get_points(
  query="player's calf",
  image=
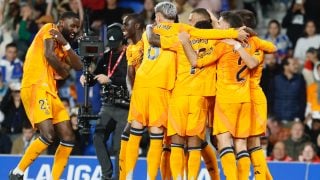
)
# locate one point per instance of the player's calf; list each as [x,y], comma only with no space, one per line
[243,158]
[194,160]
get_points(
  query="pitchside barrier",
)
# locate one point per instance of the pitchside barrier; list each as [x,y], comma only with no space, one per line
[87,168]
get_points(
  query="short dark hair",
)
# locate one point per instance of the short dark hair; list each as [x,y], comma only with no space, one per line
[274,21]
[153,16]
[26,124]
[203,25]
[285,62]
[176,20]
[248,17]
[306,24]
[203,12]
[137,19]
[233,19]
[68,15]
[12,44]
[312,50]
[313,146]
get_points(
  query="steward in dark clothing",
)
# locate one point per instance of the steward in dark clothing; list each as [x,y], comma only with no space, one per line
[289,92]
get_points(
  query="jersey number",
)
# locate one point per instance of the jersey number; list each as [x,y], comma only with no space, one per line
[153,52]
[42,104]
[243,68]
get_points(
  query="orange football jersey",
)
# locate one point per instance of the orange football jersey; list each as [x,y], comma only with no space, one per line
[158,67]
[260,47]
[36,69]
[212,33]
[189,80]
[257,94]
[134,54]
[233,76]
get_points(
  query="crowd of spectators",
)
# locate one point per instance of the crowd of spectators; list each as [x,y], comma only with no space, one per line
[290,80]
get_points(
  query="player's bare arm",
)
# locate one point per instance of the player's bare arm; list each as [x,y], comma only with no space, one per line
[242,34]
[53,60]
[153,39]
[250,31]
[213,19]
[74,59]
[131,72]
[250,61]
[188,50]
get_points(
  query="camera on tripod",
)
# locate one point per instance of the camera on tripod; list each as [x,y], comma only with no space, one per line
[89,48]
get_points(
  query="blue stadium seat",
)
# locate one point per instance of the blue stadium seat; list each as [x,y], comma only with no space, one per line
[134,5]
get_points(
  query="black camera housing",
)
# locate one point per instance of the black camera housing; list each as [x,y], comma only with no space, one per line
[91,46]
[115,95]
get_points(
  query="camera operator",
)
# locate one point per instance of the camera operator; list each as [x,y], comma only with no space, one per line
[110,73]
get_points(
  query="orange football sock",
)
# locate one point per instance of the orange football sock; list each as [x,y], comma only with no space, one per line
[165,164]
[154,155]
[122,155]
[268,174]
[260,166]
[210,160]
[61,158]
[243,165]
[132,151]
[228,162]
[32,152]
[177,161]
[194,161]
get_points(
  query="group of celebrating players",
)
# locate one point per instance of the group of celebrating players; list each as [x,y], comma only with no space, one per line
[187,78]
[183,79]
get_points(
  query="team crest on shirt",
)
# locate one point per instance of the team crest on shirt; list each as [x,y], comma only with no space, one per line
[43,104]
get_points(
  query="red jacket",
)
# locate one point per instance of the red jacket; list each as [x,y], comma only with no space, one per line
[285,159]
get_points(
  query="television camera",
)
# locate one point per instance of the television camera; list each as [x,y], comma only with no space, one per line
[90,47]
